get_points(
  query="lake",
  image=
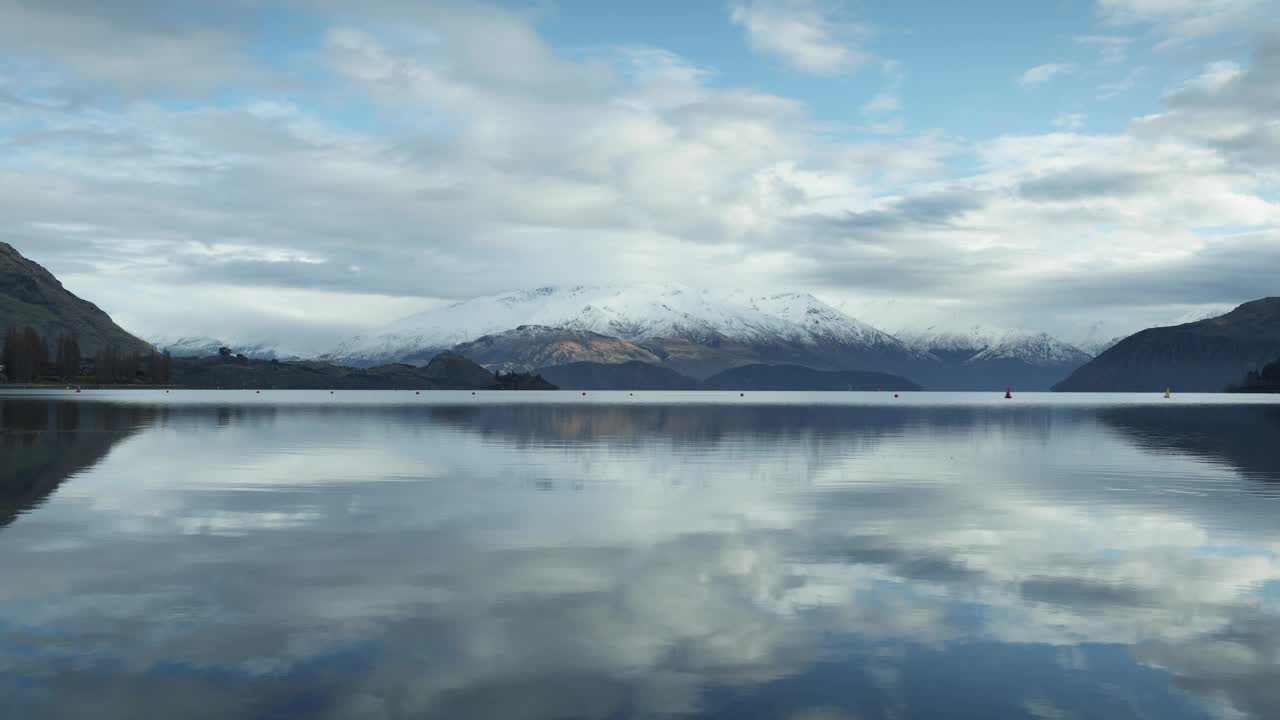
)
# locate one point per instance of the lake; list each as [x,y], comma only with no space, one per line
[826,556]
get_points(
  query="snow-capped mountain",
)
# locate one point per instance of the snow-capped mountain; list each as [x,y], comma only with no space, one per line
[985,358]
[1036,349]
[202,346]
[532,347]
[694,328]
[979,343]
[951,345]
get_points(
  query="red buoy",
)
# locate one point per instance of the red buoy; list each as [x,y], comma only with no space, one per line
[1008,394]
[895,394]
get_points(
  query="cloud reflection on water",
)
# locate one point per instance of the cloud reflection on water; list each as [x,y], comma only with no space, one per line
[613,561]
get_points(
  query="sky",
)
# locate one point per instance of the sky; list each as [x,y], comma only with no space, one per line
[301,171]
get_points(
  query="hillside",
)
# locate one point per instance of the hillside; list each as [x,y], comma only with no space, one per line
[632,375]
[1205,356]
[31,296]
[535,346]
[798,378]
[446,371]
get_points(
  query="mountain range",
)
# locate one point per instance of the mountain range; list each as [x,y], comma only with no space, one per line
[700,333]
[597,335]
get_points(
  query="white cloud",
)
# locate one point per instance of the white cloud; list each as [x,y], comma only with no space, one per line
[1112,49]
[882,103]
[1185,19]
[1069,121]
[78,46]
[1106,91]
[477,166]
[1042,74]
[806,34]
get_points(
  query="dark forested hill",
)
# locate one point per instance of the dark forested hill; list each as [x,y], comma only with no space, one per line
[1206,356]
[31,296]
[447,371]
[634,375]
[797,377]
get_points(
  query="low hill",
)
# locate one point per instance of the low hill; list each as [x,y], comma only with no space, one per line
[31,296]
[633,375]
[1205,356]
[536,346]
[797,377]
[447,371]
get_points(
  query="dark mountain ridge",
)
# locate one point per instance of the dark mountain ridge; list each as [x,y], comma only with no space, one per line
[30,296]
[1204,356]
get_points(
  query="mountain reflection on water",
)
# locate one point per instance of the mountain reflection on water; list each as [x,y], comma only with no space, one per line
[614,561]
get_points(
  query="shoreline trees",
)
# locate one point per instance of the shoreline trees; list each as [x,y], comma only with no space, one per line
[28,357]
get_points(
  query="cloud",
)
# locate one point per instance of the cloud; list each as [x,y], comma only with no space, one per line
[1181,20]
[806,34]
[1069,121]
[1042,74]
[1106,91]
[1231,108]
[446,150]
[170,51]
[1112,49]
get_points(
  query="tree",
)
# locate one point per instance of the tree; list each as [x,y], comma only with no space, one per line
[68,358]
[160,367]
[37,354]
[106,365]
[26,356]
[9,356]
[129,366]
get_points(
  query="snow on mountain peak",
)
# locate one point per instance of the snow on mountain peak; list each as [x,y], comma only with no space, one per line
[1033,348]
[633,313]
[935,338]
[203,346]
[979,343]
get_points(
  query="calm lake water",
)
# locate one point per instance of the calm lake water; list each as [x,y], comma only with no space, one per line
[534,556]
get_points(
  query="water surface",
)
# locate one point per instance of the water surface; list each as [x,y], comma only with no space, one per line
[548,555]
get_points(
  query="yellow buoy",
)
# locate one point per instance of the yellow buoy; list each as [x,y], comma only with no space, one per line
[1167,394]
